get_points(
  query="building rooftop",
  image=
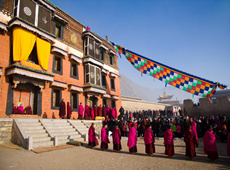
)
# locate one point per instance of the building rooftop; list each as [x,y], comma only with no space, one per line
[165,96]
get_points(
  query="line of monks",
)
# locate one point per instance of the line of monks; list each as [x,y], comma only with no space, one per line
[88,113]
[21,110]
[190,140]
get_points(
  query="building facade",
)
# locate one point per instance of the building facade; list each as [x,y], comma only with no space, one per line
[47,56]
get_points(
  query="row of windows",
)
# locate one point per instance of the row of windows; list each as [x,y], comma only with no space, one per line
[56,98]
[57,67]
[102,56]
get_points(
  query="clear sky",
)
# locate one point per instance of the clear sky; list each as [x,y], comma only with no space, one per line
[190,35]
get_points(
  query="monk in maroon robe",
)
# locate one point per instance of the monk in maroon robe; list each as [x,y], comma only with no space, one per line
[20,109]
[95,110]
[149,141]
[108,111]
[210,144]
[69,111]
[194,131]
[104,111]
[92,115]
[62,111]
[15,110]
[99,111]
[132,140]
[80,111]
[104,137]
[92,137]
[87,112]
[168,142]
[228,144]
[190,142]
[116,139]
[28,110]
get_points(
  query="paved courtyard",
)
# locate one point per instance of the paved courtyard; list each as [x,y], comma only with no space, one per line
[14,157]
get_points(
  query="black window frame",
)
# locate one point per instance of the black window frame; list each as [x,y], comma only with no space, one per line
[55,22]
[71,102]
[52,91]
[113,105]
[105,86]
[102,51]
[61,65]
[111,59]
[113,89]
[71,75]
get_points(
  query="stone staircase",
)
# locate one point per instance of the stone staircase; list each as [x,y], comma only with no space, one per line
[32,133]
[34,128]
[61,129]
[80,126]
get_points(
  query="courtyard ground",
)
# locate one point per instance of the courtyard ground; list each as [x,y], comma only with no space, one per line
[83,158]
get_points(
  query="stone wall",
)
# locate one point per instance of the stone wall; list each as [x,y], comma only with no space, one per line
[206,108]
[5,130]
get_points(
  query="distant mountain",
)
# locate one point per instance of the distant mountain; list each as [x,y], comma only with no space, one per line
[131,89]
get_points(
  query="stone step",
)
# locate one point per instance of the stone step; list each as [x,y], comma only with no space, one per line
[41,139]
[43,144]
[56,124]
[77,123]
[35,131]
[62,130]
[32,127]
[27,120]
[64,134]
[37,134]
[58,127]
[30,124]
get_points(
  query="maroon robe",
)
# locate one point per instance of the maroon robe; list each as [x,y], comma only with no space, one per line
[20,110]
[228,144]
[87,112]
[104,138]
[99,111]
[28,110]
[168,142]
[80,112]
[92,137]
[69,111]
[116,139]
[62,111]
[149,142]
[15,110]
[104,111]
[190,142]
[95,110]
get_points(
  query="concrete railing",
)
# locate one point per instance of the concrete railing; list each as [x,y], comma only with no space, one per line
[19,136]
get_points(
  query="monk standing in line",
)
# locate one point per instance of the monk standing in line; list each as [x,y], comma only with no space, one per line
[194,131]
[210,144]
[132,140]
[92,137]
[69,111]
[116,138]
[92,115]
[80,111]
[87,114]
[99,111]
[190,142]
[104,111]
[95,110]
[62,111]
[149,141]
[168,142]
[104,137]
[228,144]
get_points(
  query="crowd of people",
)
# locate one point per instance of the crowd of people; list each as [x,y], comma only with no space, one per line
[186,128]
